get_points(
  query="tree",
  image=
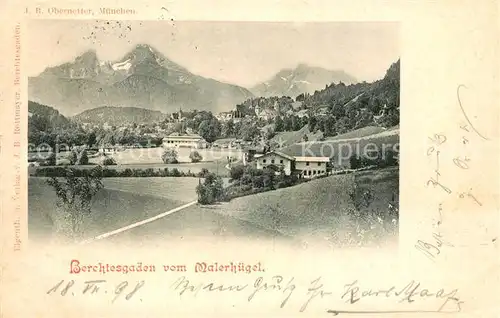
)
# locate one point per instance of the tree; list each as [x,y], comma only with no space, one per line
[91,139]
[169,156]
[287,123]
[354,161]
[211,190]
[83,158]
[249,132]
[209,129]
[52,159]
[312,123]
[74,196]
[195,156]
[73,157]
[278,124]
[237,172]
[338,110]
[228,129]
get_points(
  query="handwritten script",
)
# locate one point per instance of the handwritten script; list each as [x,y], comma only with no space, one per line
[431,248]
[285,290]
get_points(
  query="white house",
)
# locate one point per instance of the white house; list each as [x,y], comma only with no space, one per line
[277,159]
[190,141]
[310,167]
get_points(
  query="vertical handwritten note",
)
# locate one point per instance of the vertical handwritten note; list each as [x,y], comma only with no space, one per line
[451,150]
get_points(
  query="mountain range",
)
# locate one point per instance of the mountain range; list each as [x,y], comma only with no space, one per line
[142,78]
[301,79]
[145,78]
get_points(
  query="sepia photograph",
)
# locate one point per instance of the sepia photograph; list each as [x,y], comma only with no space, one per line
[165,130]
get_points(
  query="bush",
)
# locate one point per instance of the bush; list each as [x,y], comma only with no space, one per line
[195,156]
[73,157]
[51,160]
[108,161]
[211,190]
[84,158]
[354,162]
[175,173]
[237,172]
[127,173]
[203,173]
[169,156]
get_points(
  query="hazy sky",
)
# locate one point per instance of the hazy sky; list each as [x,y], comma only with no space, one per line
[243,53]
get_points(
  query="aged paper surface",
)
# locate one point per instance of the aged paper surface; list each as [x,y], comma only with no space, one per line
[294,226]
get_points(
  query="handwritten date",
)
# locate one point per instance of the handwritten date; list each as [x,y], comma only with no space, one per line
[93,287]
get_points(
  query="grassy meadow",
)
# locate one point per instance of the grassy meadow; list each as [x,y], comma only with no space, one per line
[331,209]
[341,209]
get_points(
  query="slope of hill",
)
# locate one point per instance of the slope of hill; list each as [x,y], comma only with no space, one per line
[142,78]
[288,138]
[338,208]
[341,150]
[356,106]
[119,115]
[358,133]
[302,79]
[44,117]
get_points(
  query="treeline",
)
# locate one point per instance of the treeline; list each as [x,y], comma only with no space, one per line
[387,159]
[114,173]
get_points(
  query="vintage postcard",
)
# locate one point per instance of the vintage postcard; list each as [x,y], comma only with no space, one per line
[253,158]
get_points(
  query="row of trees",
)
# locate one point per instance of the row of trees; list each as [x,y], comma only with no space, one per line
[170,155]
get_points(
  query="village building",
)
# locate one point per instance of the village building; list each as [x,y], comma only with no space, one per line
[310,167]
[306,167]
[278,159]
[189,141]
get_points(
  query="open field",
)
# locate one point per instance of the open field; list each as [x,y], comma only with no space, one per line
[153,155]
[197,222]
[124,201]
[117,205]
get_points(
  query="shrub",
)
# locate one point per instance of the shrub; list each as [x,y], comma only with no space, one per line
[108,161]
[127,173]
[73,157]
[169,155]
[237,172]
[203,173]
[51,160]
[354,162]
[195,156]
[211,190]
[175,173]
[83,158]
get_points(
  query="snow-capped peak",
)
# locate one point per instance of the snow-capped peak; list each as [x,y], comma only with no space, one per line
[122,66]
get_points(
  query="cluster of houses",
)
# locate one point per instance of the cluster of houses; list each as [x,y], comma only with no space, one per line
[306,166]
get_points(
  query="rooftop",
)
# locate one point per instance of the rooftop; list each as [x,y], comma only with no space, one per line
[178,136]
[313,159]
[280,154]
